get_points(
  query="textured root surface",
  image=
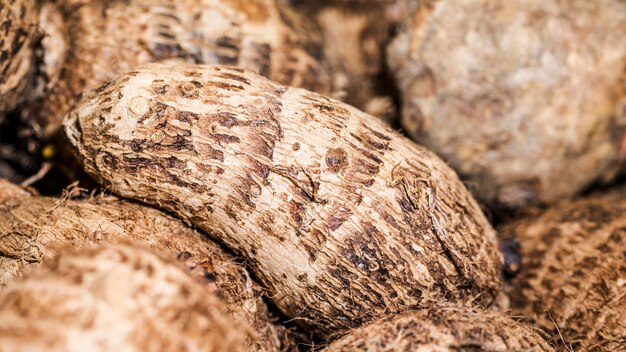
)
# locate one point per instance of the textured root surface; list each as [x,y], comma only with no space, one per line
[573,280]
[17,34]
[342,218]
[355,34]
[114,298]
[443,328]
[32,228]
[518,95]
[104,38]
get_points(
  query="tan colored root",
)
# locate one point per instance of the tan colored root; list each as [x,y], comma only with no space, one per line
[343,219]
[32,228]
[117,297]
[10,193]
[17,36]
[355,34]
[443,328]
[101,39]
[573,281]
[519,96]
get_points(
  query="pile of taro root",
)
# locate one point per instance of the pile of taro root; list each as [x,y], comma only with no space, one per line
[312,175]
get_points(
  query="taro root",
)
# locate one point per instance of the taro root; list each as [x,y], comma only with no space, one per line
[117,297]
[443,328]
[32,228]
[518,96]
[18,31]
[9,194]
[342,218]
[573,279]
[96,40]
[355,34]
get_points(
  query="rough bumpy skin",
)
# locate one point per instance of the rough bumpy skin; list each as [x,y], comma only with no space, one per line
[32,228]
[341,218]
[442,328]
[52,49]
[18,30]
[108,37]
[114,298]
[574,273]
[355,34]
[517,95]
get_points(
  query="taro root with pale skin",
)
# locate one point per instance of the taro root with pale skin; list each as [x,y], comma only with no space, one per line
[116,297]
[573,279]
[519,96]
[89,42]
[443,328]
[342,218]
[33,228]
[18,32]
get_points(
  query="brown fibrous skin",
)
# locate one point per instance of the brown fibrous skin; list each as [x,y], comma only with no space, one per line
[343,219]
[104,38]
[443,328]
[117,297]
[33,228]
[51,50]
[519,96]
[18,32]
[355,34]
[573,279]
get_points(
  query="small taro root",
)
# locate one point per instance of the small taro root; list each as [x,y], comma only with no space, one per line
[114,298]
[442,328]
[32,228]
[519,96]
[100,39]
[573,279]
[355,34]
[18,31]
[342,218]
